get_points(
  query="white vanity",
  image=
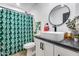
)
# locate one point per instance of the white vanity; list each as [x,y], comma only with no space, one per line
[48,46]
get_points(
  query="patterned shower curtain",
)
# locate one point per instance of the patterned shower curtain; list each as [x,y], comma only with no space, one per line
[16,29]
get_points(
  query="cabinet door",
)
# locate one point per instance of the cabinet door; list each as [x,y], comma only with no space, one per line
[39,49]
[43,48]
[60,51]
[48,48]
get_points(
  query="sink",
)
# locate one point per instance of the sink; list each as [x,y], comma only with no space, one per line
[55,36]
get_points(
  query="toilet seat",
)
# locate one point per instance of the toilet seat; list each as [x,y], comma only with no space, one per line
[29,45]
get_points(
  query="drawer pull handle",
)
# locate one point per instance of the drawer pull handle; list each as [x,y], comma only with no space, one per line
[41,45]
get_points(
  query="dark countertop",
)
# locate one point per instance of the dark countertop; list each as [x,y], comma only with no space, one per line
[69,44]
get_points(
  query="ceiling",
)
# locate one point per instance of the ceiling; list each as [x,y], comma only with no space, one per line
[23,6]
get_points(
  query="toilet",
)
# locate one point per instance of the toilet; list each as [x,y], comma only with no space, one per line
[30,47]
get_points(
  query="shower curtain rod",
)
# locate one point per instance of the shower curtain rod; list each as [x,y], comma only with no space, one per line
[12,9]
[25,12]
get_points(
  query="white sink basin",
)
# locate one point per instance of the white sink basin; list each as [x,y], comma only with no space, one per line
[56,36]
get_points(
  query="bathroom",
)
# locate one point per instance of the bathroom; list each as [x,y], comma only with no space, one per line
[26,29]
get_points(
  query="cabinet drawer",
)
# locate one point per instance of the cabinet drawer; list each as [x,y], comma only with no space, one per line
[60,51]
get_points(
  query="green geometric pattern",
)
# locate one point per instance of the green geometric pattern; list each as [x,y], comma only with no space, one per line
[16,29]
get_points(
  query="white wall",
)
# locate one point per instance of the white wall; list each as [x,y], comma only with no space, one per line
[77,9]
[10,6]
[44,10]
[22,7]
[28,7]
[72,15]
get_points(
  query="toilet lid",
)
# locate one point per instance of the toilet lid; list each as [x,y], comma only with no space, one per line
[29,45]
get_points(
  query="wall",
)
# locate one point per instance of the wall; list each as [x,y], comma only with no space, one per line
[72,7]
[10,6]
[28,7]
[44,10]
[77,9]
[40,11]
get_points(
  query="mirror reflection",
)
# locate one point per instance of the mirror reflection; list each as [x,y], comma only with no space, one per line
[59,15]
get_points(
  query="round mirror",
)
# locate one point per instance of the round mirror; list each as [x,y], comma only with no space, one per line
[59,15]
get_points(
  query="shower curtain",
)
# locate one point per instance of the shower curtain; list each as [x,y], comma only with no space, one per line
[16,29]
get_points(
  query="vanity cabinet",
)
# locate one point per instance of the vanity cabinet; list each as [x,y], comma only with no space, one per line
[39,50]
[61,51]
[43,48]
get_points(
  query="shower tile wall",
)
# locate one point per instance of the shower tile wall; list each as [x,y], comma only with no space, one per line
[16,29]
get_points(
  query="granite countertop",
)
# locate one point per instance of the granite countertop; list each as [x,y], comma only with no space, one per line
[69,44]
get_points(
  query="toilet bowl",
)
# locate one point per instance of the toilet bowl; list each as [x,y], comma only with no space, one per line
[30,47]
